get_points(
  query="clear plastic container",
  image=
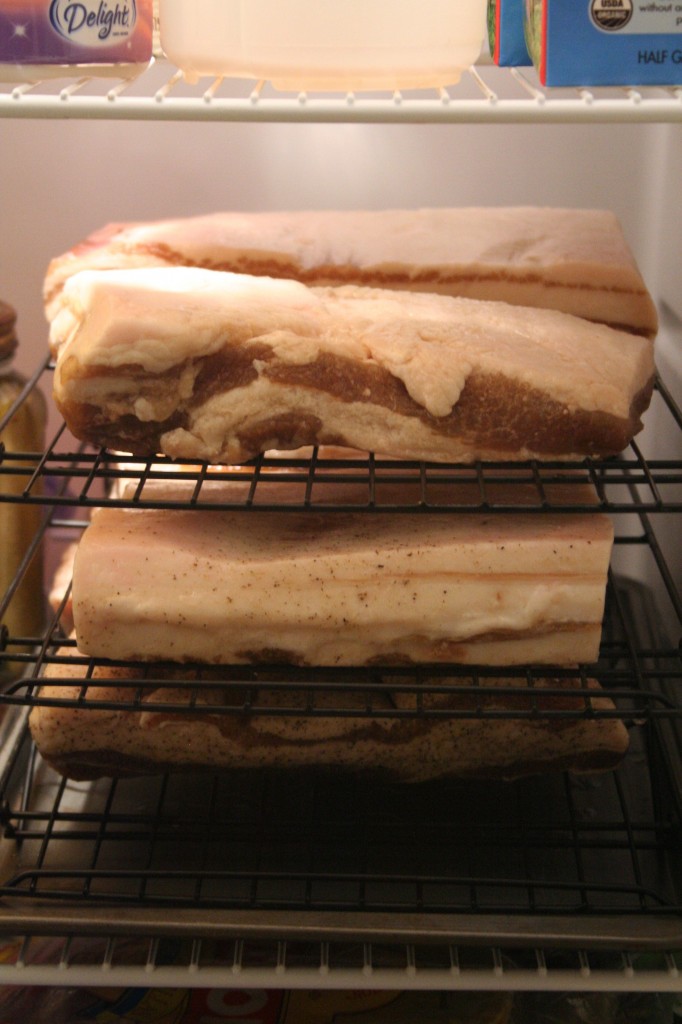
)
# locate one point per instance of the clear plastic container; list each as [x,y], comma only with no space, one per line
[325,44]
[67,38]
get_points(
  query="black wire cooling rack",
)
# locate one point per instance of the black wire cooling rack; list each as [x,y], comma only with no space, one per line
[68,475]
[564,849]
[273,842]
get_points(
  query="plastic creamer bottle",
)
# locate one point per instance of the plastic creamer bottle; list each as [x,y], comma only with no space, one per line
[73,38]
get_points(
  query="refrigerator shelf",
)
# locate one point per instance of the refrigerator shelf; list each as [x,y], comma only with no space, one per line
[486,94]
[128,957]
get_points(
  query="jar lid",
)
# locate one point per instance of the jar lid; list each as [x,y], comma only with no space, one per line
[8,337]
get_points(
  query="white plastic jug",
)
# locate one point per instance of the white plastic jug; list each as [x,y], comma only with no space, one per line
[325,44]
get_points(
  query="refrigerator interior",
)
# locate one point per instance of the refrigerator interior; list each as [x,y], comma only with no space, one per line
[558,882]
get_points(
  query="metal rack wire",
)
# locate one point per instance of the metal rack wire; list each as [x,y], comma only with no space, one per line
[324,845]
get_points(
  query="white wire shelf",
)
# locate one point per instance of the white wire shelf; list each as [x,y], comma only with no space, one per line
[485,94]
[243,964]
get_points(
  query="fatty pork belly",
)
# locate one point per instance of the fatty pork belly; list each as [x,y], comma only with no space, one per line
[212,727]
[330,587]
[201,364]
[576,261]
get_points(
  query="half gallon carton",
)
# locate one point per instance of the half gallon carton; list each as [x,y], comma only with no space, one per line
[606,42]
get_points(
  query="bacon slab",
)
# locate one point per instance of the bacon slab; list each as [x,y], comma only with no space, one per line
[201,364]
[576,261]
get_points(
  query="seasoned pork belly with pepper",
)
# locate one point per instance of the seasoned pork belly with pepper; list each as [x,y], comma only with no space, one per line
[340,588]
[502,728]
[201,364]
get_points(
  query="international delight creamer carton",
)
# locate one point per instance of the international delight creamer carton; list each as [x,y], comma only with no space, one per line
[54,38]
[605,42]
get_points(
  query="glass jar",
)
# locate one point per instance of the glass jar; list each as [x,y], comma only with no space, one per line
[23,433]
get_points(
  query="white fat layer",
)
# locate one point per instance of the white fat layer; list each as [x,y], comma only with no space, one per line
[529,237]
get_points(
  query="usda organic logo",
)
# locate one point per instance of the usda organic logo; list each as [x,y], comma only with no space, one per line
[611,15]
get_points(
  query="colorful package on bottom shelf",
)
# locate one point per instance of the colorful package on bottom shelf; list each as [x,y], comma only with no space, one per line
[605,42]
[506,35]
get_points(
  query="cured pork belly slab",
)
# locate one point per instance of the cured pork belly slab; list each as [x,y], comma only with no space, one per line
[85,743]
[576,261]
[202,364]
[340,588]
